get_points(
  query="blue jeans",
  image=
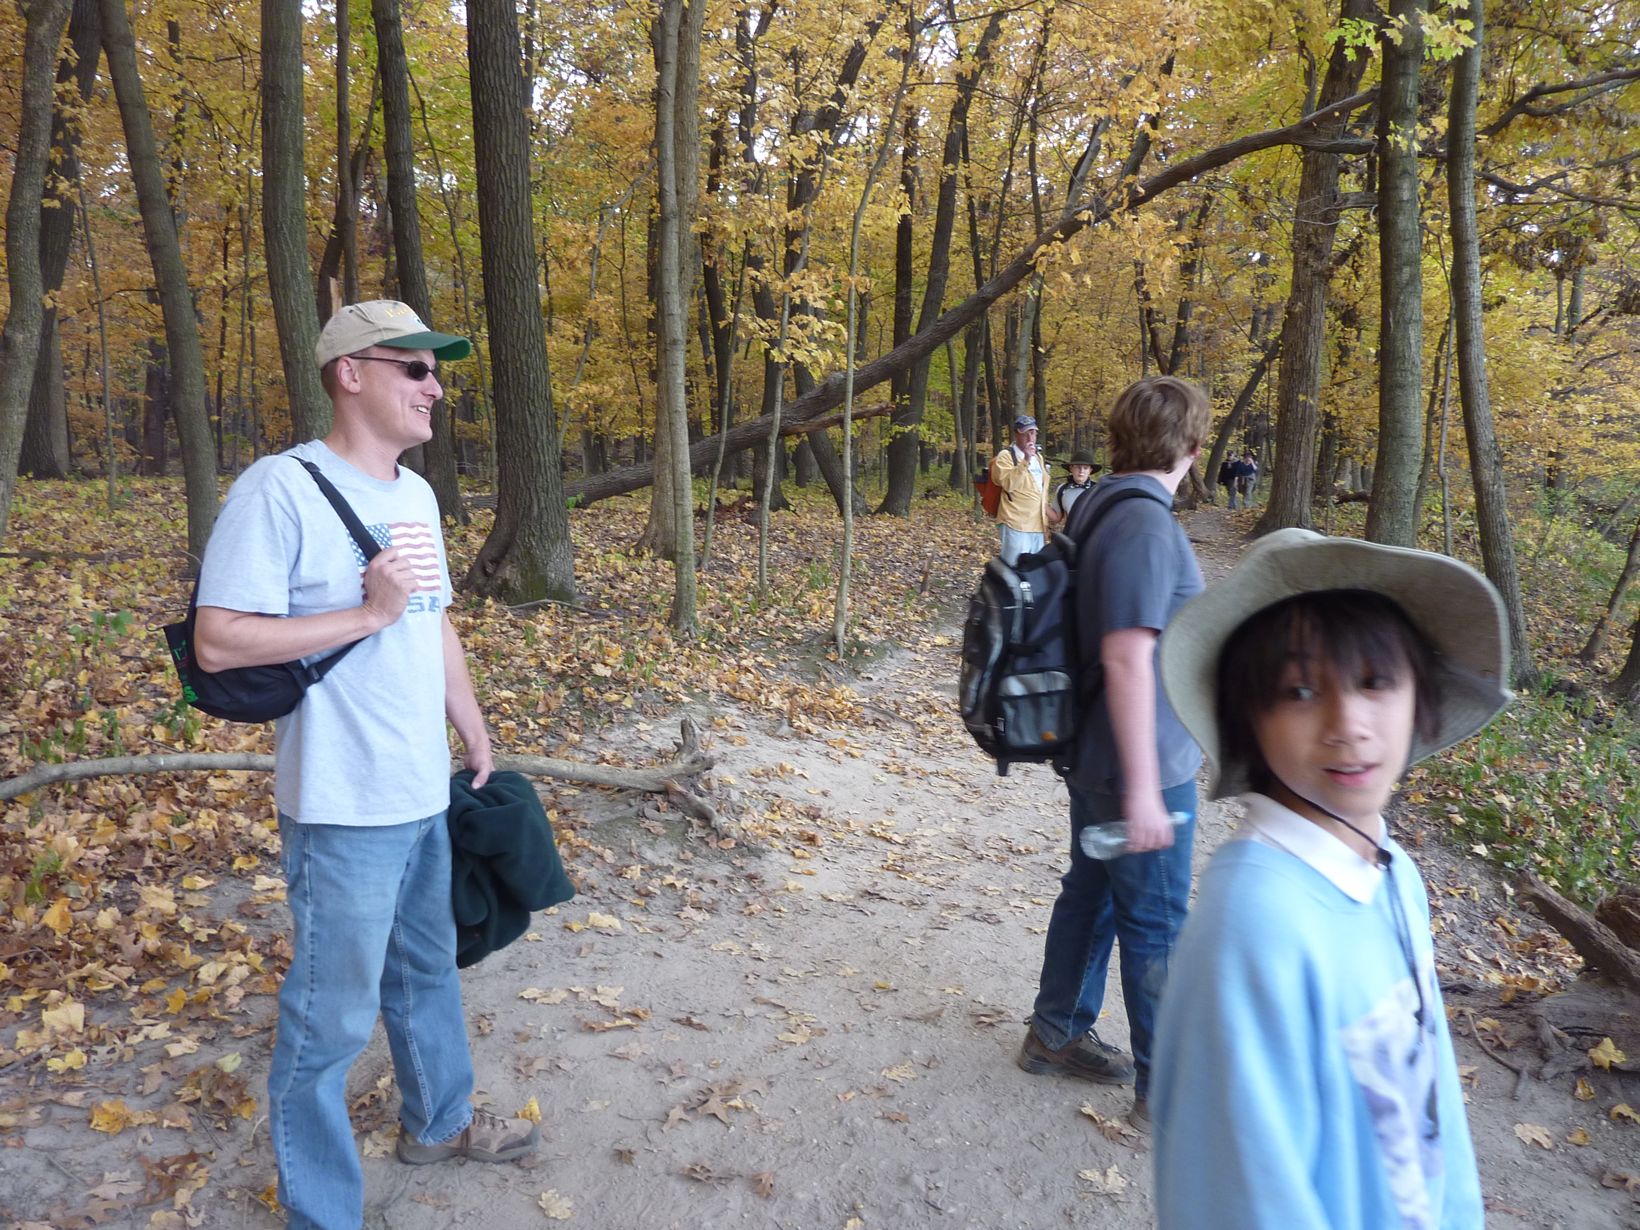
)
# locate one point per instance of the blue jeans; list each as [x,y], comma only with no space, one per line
[1017,542]
[373,931]
[1139,900]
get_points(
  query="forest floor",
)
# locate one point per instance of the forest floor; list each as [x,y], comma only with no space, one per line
[812,1027]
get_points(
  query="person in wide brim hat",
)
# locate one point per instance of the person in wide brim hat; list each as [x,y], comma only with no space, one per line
[1454,607]
[1303,1018]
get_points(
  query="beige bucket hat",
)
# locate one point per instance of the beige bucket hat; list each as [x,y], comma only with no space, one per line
[383,322]
[1455,608]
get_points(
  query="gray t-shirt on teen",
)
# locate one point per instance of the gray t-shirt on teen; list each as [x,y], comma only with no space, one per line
[367,745]
[1135,572]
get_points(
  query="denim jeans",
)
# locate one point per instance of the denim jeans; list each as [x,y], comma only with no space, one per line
[373,930]
[1138,900]
[1017,542]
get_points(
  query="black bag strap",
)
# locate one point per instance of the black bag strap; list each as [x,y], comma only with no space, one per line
[1092,681]
[312,672]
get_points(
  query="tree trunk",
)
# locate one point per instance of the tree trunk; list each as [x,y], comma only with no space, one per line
[436,459]
[1485,454]
[284,216]
[1391,512]
[903,442]
[676,39]
[1602,628]
[1238,412]
[1304,327]
[20,338]
[184,352]
[47,451]
[527,555]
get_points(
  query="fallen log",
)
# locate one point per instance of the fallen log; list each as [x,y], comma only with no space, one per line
[690,760]
[1598,945]
[1621,912]
[741,437]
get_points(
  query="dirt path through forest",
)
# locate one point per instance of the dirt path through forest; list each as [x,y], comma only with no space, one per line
[818,1035]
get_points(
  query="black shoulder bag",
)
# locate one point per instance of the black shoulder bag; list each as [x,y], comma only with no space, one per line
[259,693]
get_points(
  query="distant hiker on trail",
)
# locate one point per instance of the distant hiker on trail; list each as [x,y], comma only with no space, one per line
[1227,479]
[1081,467]
[1304,1069]
[1022,474]
[362,774]
[1246,478]
[1133,765]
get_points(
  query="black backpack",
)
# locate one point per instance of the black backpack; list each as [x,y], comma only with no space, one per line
[1022,678]
[1226,474]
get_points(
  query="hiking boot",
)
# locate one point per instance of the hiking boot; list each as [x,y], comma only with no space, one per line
[488,1138]
[1139,1116]
[1086,1058]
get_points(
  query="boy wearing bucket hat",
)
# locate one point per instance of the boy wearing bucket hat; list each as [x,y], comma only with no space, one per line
[1305,1074]
[1081,467]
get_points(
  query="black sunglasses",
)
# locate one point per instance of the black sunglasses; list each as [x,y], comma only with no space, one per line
[413,368]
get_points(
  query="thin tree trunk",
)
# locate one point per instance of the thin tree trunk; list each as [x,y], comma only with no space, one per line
[47,450]
[1304,326]
[20,338]
[1390,514]
[676,37]
[347,196]
[111,463]
[284,216]
[527,555]
[435,459]
[1602,628]
[1485,454]
[187,360]
[839,624]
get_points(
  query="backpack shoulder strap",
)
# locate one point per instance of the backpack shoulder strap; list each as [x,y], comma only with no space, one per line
[344,510]
[1085,528]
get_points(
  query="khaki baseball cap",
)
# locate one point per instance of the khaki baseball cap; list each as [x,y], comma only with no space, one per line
[383,322]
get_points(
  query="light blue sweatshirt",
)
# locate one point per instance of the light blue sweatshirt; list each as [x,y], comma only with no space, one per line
[1293,1086]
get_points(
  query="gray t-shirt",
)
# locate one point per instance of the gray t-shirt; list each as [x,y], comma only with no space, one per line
[1137,570]
[367,745]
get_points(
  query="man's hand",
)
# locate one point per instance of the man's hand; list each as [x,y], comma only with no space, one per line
[480,760]
[388,581]
[1149,827]
[1055,517]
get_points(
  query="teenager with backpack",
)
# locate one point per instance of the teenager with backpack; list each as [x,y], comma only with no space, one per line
[1022,475]
[1133,763]
[1305,1074]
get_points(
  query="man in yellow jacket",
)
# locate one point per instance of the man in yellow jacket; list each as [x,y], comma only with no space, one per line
[1022,516]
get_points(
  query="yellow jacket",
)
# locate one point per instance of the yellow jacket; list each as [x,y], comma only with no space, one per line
[1024,504]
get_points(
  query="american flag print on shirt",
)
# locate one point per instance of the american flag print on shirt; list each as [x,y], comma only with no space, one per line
[415,541]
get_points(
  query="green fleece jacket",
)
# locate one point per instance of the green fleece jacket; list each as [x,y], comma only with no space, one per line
[504,862]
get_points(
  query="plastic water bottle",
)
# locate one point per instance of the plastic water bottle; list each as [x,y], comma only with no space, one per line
[1109,840]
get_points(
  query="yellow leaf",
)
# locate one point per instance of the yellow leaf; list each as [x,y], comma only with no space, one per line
[531,1110]
[230,1062]
[1624,1111]
[58,917]
[1606,1054]
[67,1017]
[1578,1137]
[176,1001]
[606,921]
[1532,1134]
[1584,1091]
[70,1062]
[111,1117]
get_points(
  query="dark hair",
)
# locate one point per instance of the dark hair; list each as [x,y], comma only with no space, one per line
[1350,630]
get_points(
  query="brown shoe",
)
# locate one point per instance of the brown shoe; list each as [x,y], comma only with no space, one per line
[488,1138]
[1086,1058]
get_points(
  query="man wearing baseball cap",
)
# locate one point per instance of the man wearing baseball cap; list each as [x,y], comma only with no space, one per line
[1022,515]
[361,778]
